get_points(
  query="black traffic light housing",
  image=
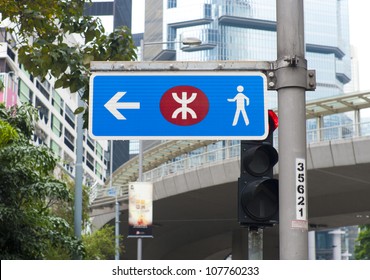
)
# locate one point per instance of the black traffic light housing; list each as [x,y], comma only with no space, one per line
[258,191]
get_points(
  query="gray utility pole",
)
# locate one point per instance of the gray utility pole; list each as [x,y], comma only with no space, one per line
[292,81]
[140,179]
[116,257]
[78,175]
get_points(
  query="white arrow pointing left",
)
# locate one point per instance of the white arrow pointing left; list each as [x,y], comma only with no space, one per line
[112,105]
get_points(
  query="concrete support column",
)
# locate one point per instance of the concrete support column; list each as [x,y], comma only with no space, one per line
[311,245]
[337,243]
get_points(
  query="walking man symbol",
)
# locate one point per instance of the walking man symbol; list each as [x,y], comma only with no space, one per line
[241,101]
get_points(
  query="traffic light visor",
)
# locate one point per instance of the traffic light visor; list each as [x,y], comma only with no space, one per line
[273,121]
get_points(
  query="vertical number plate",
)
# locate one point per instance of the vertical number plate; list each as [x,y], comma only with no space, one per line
[301,192]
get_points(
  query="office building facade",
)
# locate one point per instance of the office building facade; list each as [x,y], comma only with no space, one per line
[57,125]
[113,14]
[246,30]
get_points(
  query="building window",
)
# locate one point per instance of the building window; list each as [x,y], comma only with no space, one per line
[29,76]
[69,140]
[2,34]
[41,88]
[25,94]
[98,170]
[171,37]
[207,10]
[70,117]
[58,102]
[134,147]
[43,110]
[56,126]
[89,161]
[99,151]
[90,143]
[10,53]
[171,4]
[55,148]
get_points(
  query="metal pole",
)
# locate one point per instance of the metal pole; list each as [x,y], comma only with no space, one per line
[116,204]
[139,248]
[141,50]
[291,77]
[255,246]
[139,240]
[78,175]
[117,228]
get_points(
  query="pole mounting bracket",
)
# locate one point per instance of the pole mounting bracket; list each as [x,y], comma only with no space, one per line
[296,74]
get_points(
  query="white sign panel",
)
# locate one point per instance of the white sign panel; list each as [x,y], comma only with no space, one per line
[301,192]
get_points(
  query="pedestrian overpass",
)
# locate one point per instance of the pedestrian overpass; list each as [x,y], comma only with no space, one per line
[195,207]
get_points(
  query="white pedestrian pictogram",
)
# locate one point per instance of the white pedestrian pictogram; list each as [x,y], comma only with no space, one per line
[184,109]
[241,101]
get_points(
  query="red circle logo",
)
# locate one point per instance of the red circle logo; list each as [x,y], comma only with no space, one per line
[184,105]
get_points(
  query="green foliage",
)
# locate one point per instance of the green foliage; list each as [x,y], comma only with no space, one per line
[22,119]
[8,133]
[36,210]
[65,208]
[362,248]
[100,244]
[28,191]
[43,31]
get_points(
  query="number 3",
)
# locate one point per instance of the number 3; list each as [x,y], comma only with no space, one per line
[300,166]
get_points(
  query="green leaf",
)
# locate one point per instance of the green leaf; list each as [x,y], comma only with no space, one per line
[59,83]
[79,110]
[89,35]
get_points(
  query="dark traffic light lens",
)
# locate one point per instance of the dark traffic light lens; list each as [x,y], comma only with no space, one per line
[260,162]
[260,199]
[260,159]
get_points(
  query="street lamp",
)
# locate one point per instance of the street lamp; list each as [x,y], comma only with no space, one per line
[187,41]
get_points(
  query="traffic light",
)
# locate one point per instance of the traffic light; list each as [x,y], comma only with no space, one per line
[258,191]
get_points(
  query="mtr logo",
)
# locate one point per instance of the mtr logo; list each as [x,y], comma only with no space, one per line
[184,105]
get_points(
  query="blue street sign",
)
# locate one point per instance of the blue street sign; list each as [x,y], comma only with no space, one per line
[111,192]
[178,105]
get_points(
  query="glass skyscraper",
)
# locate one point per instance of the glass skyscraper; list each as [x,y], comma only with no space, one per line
[246,30]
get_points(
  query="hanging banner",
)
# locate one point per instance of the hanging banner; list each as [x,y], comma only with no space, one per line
[8,90]
[140,209]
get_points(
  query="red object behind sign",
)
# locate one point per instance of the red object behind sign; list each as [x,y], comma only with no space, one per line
[184,105]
